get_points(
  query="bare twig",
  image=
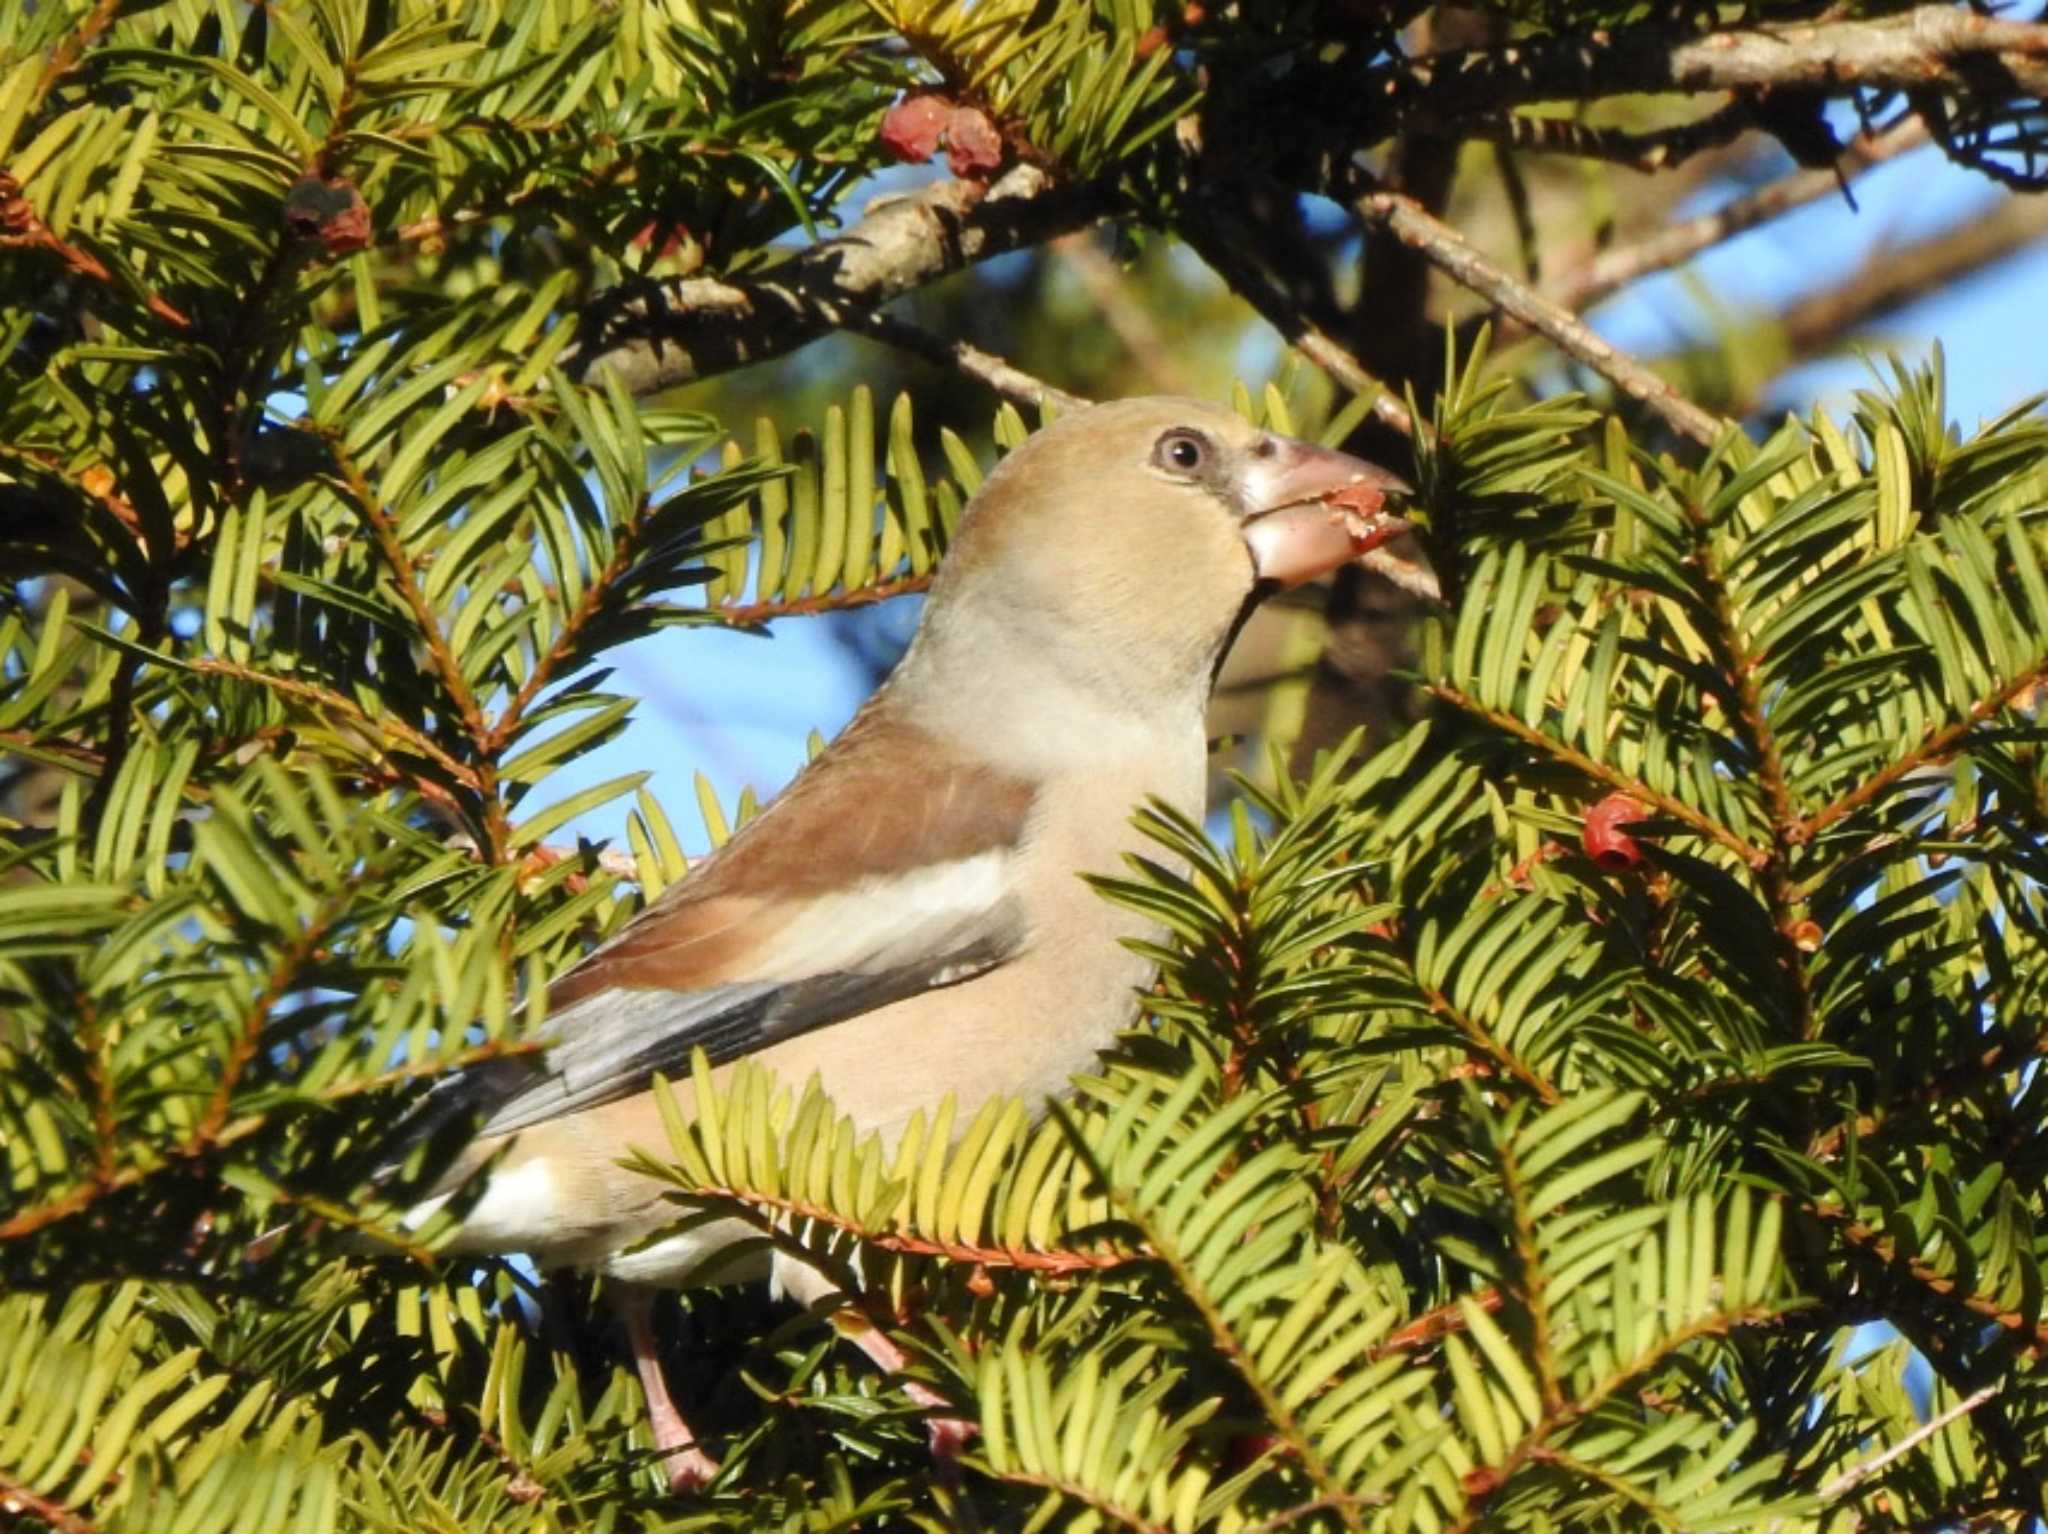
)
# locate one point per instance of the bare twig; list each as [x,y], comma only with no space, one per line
[1653,149]
[1466,265]
[1849,1479]
[657,335]
[1008,380]
[1124,315]
[1897,275]
[1679,242]
[1938,47]
[1258,290]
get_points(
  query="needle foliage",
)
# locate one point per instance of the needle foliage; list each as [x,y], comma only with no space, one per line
[1452,1179]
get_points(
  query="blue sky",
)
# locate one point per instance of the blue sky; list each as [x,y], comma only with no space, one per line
[739,707]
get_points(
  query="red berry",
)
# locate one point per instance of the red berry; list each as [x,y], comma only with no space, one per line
[1606,842]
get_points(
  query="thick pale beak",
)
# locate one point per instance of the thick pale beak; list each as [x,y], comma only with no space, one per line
[1310,509]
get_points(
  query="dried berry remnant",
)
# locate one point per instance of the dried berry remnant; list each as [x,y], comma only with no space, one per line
[914,128]
[328,209]
[1359,508]
[972,143]
[1605,841]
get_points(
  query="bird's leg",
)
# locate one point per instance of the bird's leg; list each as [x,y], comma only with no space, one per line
[948,1435]
[688,1466]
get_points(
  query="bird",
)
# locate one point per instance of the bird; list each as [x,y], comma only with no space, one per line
[908,918]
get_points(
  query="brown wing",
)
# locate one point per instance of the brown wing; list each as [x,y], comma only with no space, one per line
[855,888]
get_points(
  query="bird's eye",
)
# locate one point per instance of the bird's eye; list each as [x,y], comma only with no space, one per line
[1182,451]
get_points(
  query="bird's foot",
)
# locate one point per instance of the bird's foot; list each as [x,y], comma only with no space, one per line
[948,1435]
[689,1469]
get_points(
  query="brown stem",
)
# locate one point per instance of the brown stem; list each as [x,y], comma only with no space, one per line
[327,698]
[2032,1336]
[823,602]
[283,977]
[28,1221]
[1536,1442]
[1484,1043]
[1005,378]
[1466,265]
[17,1499]
[1251,284]
[1739,666]
[1434,1324]
[1679,242]
[967,1253]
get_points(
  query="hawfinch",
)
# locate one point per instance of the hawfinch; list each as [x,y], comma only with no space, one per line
[908,919]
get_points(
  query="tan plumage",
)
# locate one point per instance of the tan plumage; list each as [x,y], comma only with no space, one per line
[908,919]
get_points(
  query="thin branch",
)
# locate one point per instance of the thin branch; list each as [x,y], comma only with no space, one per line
[1431,1325]
[1938,47]
[1074,1491]
[1125,316]
[1897,275]
[1535,1443]
[966,1253]
[405,576]
[1251,284]
[283,979]
[1739,665]
[1849,1479]
[326,697]
[743,614]
[1006,379]
[655,335]
[81,1196]
[1463,263]
[1481,1042]
[1653,149]
[22,228]
[1677,243]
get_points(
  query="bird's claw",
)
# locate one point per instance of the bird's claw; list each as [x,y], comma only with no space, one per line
[689,1469]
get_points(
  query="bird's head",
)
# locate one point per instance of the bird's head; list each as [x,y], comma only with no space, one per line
[1132,535]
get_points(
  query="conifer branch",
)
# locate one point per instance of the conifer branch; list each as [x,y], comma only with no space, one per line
[1601,772]
[1937,745]
[655,335]
[347,708]
[17,1499]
